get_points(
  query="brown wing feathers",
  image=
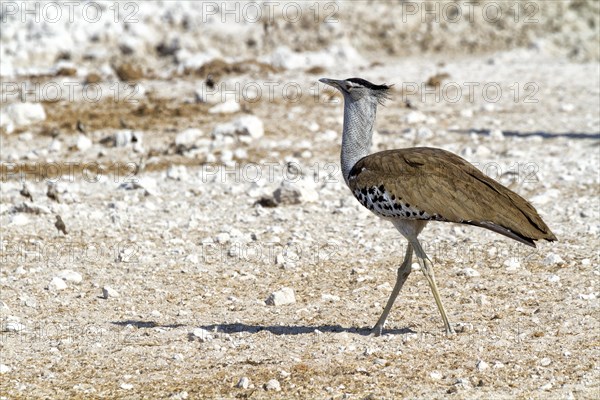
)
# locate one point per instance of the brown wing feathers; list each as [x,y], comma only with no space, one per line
[449,188]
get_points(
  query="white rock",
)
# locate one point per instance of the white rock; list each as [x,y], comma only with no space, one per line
[512,264]
[496,134]
[273,384]
[482,365]
[469,272]
[83,143]
[301,191]
[414,117]
[282,297]
[553,278]
[107,292]
[544,362]
[329,297]
[201,335]
[177,173]
[223,237]
[553,259]
[19,219]
[435,375]
[228,107]
[55,146]
[243,383]
[188,137]
[14,326]
[126,386]
[249,126]
[4,369]
[57,284]
[466,113]
[70,276]
[567,107]
[21,114]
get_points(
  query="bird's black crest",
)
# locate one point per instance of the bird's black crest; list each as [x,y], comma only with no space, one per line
[368,84]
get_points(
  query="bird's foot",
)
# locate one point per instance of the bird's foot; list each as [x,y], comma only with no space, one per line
[376,331]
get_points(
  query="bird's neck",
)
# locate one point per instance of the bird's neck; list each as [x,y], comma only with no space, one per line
[359,118]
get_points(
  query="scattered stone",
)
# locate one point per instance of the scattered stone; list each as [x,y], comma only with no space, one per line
[247,127]
[469,272]
[415,117]
[567,107]
[330,297]
[496,134]
[187,139]
[83,143]
[436,375]
[22,114]
[273,385]
[281,297]
[126,386]
[177,173]
[129,72]
[228,107]
[70,276]
[57,284]
[466,113]
[202,335]
[243,383]
[14,325]
[553,278]
[298,192]
[553,259]
[108,292]
[544,362]
[482,365]
[512,264]
[92,78]
[4,369]
[27,208]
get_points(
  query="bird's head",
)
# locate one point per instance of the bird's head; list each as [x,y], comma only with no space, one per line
[355,89]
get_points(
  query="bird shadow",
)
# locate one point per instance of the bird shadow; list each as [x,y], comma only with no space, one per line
[289,330]
[145,324]
[279,330]
[543,134]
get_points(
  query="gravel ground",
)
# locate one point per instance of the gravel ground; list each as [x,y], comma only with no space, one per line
[185,223]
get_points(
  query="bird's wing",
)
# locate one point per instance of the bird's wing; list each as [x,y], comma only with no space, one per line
[446,186]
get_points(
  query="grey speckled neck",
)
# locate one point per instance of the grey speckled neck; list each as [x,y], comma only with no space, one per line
[359,118]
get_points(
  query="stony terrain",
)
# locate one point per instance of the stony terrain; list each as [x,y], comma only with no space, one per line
[213,250]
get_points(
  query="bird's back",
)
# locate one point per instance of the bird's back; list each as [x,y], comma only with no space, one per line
[434,184]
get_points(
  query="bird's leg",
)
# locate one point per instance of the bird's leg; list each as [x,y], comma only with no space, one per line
[403,273]
[427,266]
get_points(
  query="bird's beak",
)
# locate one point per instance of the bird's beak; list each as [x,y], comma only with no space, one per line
[331,82]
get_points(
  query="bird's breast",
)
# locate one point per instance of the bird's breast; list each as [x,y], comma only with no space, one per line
[388,205]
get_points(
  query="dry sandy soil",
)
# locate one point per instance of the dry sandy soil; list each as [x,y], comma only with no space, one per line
[189,242]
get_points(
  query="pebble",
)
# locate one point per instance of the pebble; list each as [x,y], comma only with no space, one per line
[330,297]
[281,297]
[246,127]
[70,276]
[83,143]
[482,365]
[126,386]
[243,383]
[107,292]
[496,134]
[553,259]
[4,369]
[544,362]
[14,326]
[202,335]
[228,107]
[289,192]
[512,264]
[22,114]
[414,117]
[469,272]
[435,375]
[188,138]
[273,385]
[57,284]
[553,278]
